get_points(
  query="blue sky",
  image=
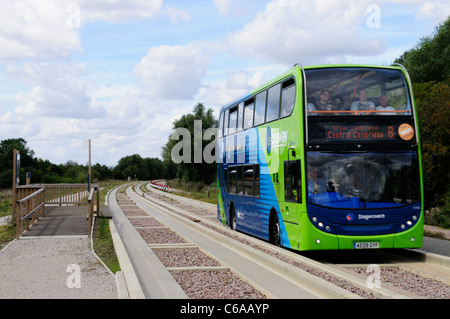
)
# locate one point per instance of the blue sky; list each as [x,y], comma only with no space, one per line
[120,72]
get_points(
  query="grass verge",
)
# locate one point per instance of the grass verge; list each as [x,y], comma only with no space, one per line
[7,234]
[103,244]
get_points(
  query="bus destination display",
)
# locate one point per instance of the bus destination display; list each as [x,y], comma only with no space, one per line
[341,133]
[346,132]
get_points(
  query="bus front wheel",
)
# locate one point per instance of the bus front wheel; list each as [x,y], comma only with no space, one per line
[274,234]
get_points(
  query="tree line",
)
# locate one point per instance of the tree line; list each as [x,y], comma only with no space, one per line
[45,172]
[428,65]
[132,166]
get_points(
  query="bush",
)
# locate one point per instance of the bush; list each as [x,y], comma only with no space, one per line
[437,216]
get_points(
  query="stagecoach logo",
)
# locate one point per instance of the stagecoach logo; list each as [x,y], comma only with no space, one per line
[351,217]
[275,138]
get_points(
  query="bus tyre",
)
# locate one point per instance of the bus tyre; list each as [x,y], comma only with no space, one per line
[232,218]
[274,235]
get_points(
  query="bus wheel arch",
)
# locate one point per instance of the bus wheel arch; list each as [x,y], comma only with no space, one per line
[274,228]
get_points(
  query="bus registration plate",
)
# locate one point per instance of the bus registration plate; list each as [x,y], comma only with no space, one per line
[366,245]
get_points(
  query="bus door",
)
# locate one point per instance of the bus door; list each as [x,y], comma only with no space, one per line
[290,209]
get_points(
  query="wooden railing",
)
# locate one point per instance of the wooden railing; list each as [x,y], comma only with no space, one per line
[68,194]
[29,208]
[31,201]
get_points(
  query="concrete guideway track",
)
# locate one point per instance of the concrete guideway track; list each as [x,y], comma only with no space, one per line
[340,274]
[264,272]
[145,275]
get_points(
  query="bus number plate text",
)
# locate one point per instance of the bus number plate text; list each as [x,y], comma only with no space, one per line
[366,245]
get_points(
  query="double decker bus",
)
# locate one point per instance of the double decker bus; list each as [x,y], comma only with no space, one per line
[324,158]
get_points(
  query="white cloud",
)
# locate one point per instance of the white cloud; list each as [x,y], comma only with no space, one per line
[435,11]
[176,15]
[57,90]
[118,11]
[234,8]
[291,31]
[45,30]
[171,72]
[234,85]
[223,6]
[35,29]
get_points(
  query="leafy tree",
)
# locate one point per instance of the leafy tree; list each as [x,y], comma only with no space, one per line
[430,59]
[131,166]
[101,172]
[192,168]
[428,64]
[433,108]
[6,160]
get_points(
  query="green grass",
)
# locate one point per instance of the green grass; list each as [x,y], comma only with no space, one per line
[103,244]
[5,202]
[198,191]
[7,233]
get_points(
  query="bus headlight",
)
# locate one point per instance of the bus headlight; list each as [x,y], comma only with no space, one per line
[408,222]
[322,224]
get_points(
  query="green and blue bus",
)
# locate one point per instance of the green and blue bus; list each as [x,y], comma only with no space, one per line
[324,158]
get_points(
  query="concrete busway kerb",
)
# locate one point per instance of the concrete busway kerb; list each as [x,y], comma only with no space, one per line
[293,273]
[298,276]
[135,256]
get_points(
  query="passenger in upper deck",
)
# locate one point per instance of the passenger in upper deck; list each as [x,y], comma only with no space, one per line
[362,104]
[325,103]
[347,103]
[384,107]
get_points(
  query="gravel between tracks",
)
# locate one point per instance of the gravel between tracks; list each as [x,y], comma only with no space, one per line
[412,283]
[415,284]
[197,284]
[215,285]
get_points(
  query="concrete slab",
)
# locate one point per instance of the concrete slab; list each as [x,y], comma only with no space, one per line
[59,226]
[64,221]
[61,221]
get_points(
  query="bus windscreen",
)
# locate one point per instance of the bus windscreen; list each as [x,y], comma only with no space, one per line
[356,91]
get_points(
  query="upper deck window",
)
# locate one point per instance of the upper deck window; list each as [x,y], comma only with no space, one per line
[356,91]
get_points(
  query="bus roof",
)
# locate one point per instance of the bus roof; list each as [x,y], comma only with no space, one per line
[297,69]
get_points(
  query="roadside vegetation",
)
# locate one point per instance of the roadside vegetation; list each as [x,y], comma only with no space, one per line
[103,244]
[102,240]
[195,190]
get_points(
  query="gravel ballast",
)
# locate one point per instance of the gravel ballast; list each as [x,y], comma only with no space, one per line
[410,283]
[215,285]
